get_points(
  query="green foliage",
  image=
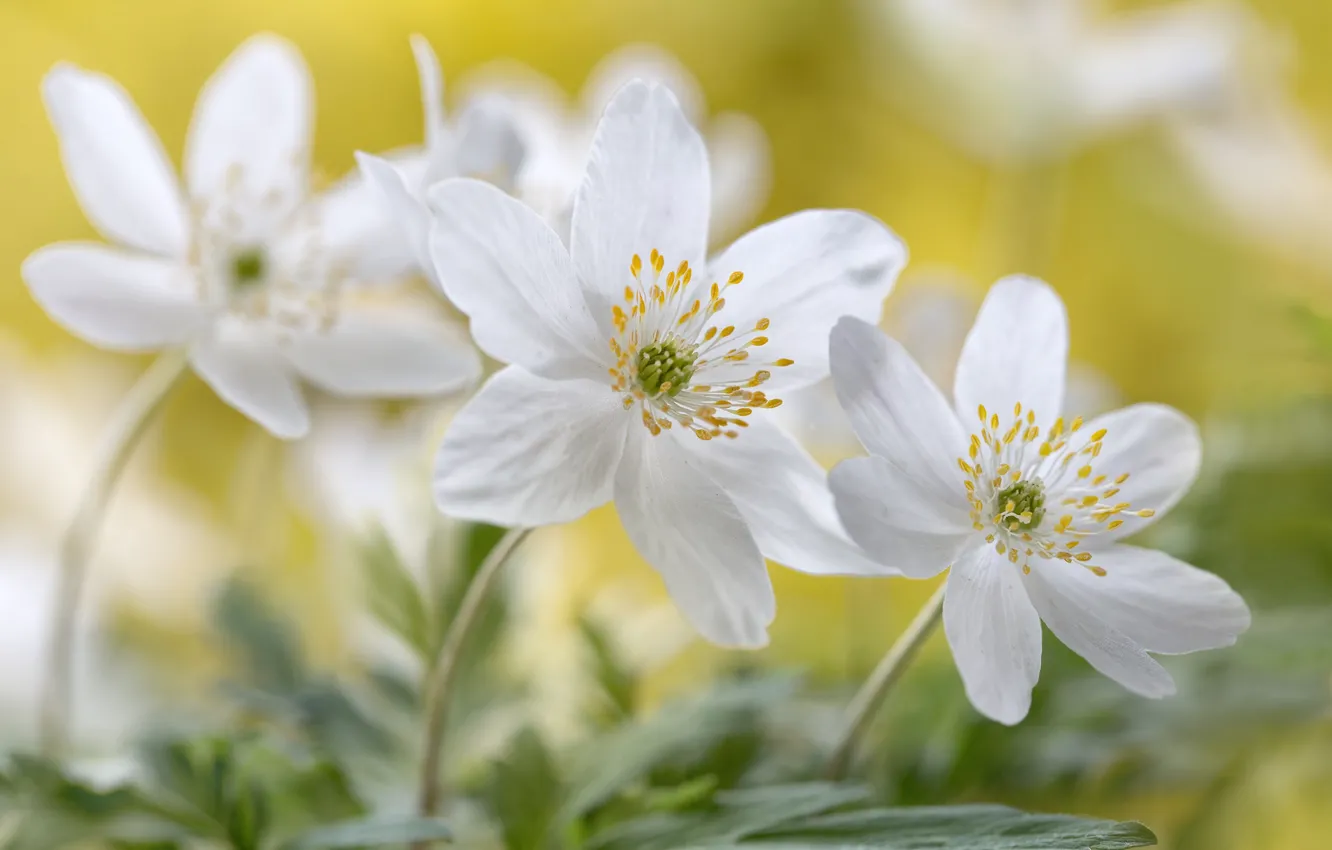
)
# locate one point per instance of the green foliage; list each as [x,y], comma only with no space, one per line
[524,792]
[371,832]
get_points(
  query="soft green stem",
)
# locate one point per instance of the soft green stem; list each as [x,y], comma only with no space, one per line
[863,709]
[439,682]
[136,412]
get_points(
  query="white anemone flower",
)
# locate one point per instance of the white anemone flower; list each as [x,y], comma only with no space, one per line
[483,142]
[262,282]
[642,375]
[1026,79]
[1024,507]
[557,133]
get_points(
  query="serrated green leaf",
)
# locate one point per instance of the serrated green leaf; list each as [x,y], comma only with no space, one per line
[980,827]
[611,763]
[525,792]
[372,832]
[393,595]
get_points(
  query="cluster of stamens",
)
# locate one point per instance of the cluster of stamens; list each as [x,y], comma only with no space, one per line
[233,253]
[668,335]
[1010,487]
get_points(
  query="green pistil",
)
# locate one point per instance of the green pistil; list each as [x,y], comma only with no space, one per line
[247,268]
[1026,496]
[667,365]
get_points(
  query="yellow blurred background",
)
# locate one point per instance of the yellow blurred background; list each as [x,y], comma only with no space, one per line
[1172,295]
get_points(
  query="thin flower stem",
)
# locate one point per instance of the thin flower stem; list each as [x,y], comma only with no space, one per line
[132,419]
[865,706]
[439,685]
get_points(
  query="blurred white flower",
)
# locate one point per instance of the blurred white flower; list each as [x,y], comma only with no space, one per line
[484,142]
[1260,161]
[930,319]
[262,282]
[558,132]
[1027,79]
[630,381]
[1027,512]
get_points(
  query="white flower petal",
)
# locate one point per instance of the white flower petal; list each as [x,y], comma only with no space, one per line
[892,521]
[508,271]
[994,633]
[359,224]
[406,216]
[646,187]
[1016,352]
[250,135]
[690,531]
[783,495]
[1160,603]
[642,62]
[1160,449]
[489,145]
[901,417]
[741,163]
[247,371]
[432,92]
[115,299]
[115,162]
[374,351]
[526,451]
[1061,598]
[804,272]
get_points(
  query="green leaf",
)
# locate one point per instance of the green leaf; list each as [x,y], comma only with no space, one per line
[393,596]
[739,814]
[372,832]
[981,827]
[610,764]
[525,792]
[617,684]
[267,644]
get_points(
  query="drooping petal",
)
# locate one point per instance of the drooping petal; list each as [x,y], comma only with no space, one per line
[526,451]
[250,135]
[1160,449]
[901,417]
[892,521]
[995,634]
[803,273]
[247,371]
[783,495]
[382,351]
[646,187]
[360,224]
[115,162]
[116,299]
[1160,603]
[406,215]
[691,532]
[508,271]
[1061,598]
[1016,352]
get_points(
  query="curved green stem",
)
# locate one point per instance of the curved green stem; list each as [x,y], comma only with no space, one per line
[439,684]
[136,412]
[865,706]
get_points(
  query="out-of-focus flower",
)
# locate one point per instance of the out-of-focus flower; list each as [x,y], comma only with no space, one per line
[634,383]
[1027,512]
[1028,79]
[558,132]
[1262,164]
[262,282]
[930,320]
[483,142]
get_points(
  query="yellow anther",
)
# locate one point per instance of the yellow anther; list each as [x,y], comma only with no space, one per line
[1083,556]
[1121,479]
[981,410]
[1146,512]
[761,325]
[1100,571]
[1099,435]
[1077,423]
[965,467]
[759,340]
[785,361]
[1017,409]
[727,331]
[1084,472]
[735,277]
[773,402]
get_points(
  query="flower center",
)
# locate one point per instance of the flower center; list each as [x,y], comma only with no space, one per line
[666,366]
[677,362]
[248,268]
[1015,474]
